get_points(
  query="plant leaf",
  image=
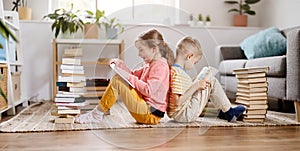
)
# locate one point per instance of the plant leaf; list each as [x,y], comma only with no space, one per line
[246,7]
[251,1]
[231,2]
[233,10]
[250,12]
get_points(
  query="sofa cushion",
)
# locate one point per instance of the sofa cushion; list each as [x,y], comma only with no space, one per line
[227,66]
[276,64]
[266,43]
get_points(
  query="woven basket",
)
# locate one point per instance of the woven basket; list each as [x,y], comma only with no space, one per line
[3,86]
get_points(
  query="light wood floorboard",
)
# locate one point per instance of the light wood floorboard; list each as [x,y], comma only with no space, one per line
[216,138]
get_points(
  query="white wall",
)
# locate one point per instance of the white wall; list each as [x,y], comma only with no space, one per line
[281,13]
[38,53]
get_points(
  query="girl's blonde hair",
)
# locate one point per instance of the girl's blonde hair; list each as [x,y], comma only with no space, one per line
[185,44]
[153,38]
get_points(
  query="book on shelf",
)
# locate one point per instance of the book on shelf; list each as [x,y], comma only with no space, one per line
[72,71]
[71,67]
[251,75]
[71,61]
[251,94]
[252,85]
[69,99]
[77,89]
[115,69]
[96,82]
[71,79]
[256,111]
[93,94]
[75,84]
[97,88]
[73,52]
[250,70]
[252,80]
[258,89]
[70,95]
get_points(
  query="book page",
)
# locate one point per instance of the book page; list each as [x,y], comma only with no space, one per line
[113,66]
[207,73]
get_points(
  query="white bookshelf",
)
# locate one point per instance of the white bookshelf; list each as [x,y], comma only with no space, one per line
[14,65]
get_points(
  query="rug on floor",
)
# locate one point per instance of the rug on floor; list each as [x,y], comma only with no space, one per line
[37,118]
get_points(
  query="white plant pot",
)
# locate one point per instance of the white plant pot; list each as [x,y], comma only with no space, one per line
[200,23]
[208,23]
[111,33]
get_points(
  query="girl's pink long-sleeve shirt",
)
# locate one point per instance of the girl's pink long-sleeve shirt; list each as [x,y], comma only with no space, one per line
[152,81]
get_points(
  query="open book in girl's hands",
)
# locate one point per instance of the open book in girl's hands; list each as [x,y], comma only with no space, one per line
[113,66]
[207,73]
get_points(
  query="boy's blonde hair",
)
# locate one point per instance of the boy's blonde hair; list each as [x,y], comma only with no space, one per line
[189,44]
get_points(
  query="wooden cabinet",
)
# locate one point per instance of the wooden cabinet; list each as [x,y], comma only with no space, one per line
[95,57]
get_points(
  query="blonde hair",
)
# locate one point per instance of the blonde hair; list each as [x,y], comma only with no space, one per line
[153,38]
[184,45]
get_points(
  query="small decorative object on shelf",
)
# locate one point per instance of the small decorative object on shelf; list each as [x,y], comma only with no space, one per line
[24,11]
[200,22]
[207,20]
[113,27]
[92,24]
[191,22]
[243,8]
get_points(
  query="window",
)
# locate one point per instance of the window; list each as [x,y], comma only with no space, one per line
[128,11]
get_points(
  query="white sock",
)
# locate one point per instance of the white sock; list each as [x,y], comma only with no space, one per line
[95,116]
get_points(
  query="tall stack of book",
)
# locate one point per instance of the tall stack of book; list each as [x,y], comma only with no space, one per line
[71,86]
[252,92]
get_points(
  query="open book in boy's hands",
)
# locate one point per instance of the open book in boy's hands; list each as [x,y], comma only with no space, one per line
[207,73]
[113,66]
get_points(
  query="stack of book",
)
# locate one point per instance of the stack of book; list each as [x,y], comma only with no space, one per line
[71,87]
[252,92]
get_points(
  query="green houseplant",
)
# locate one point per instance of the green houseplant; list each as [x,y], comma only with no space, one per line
[65,21]
[112,27]
[200,20]
[243,9]
[92,23]
[207,20]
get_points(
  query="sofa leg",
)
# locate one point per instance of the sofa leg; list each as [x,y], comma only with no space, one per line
[297,110]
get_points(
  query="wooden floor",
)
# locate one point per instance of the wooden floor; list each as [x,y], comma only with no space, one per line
[186,139]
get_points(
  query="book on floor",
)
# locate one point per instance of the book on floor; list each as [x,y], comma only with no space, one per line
[250,70]
[252,102]
[64,120]
[251,94]
[256,111]
[251,75]
[252,80]
[252,85]
[258,89]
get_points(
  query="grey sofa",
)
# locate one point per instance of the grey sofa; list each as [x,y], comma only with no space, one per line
[284,74]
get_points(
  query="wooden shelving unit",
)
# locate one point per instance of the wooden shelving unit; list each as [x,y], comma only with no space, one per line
[83,42]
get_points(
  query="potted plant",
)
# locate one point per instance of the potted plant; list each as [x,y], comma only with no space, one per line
[66,22]
[191,22]
[24,11]
[243,8]
[91,26]
[200,20]
[207,20]
[112,27]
